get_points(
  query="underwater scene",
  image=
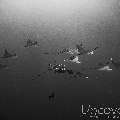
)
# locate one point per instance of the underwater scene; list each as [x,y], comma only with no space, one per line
[56,56]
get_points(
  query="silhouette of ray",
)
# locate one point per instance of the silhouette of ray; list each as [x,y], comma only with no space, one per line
[73,59]
[8,54]
[30,43]
[59,68]
[105,68]
[82,75]
[79,50]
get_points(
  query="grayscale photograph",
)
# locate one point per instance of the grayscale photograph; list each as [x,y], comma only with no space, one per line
[59,59]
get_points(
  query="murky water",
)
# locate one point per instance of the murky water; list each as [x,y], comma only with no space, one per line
[26,84]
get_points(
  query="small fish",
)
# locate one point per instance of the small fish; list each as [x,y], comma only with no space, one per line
[50,67]
[91,52]
[35,77]
[116,64]
[39,75]
[52,97]
[46,53]
[3,66]
[8,55]
[70,72]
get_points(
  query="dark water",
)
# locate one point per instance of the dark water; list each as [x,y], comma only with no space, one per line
[26,84]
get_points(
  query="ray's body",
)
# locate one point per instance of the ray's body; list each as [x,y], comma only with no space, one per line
[8,54]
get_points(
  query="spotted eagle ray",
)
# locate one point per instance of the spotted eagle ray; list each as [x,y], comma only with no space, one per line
[31,43]
[8,54]
[79,50]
